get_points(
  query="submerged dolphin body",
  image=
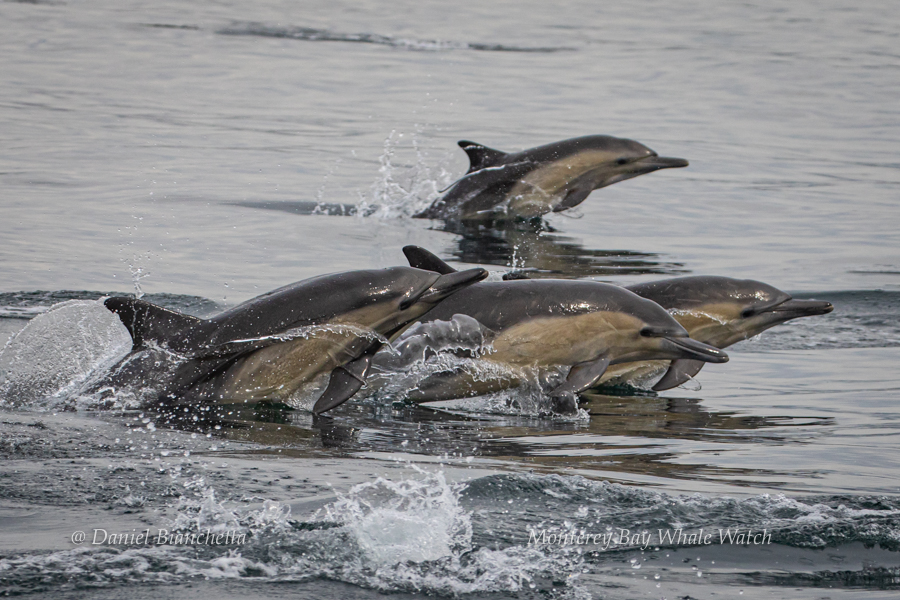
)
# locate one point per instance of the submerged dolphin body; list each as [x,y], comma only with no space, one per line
[719,311]
[545,179]
[274,346]
[543,324]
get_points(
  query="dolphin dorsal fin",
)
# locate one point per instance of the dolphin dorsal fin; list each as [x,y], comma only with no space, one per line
[480,156]
[420,258]
[148,322]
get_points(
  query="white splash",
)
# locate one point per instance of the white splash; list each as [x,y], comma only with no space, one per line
[310,331]
[401,191]
[413,520]
[58,351]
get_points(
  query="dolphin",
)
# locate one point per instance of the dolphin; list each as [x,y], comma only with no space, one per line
[545,324]
[719,311]
[545,179]
[275,345]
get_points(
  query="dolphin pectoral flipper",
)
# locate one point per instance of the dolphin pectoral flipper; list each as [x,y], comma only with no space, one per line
[575,196]
[147,322]
[345,381]
[680,371]
[581,377]
[480,156]
[564,399]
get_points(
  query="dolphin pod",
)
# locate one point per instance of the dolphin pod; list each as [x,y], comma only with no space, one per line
[549,178]
[715,311]
[275,346]
[584,326]
[326,332]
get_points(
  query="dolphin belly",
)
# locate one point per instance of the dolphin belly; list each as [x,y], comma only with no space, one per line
[555,186]
[279,371]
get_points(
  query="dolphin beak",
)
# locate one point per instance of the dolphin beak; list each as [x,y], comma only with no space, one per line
[642,166]
[793,309]
[450,283]
[655,163]
[694,350]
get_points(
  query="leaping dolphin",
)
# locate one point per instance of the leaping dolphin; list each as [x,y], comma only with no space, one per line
[719,311]
[273,346]
[545,179]
[539,324]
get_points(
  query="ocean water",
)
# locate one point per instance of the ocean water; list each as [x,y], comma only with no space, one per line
[204,153]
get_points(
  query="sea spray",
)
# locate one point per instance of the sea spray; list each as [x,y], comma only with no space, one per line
[58,351]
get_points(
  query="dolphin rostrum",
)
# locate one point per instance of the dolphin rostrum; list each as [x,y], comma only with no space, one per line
[274,346]
[719,311]
[543,324]
[545,179]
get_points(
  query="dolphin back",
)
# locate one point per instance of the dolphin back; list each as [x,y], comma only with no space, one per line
[694,291]
[501,304]
[317,300]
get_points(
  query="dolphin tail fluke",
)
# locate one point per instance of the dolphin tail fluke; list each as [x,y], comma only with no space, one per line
[345,381]
[680,371]
[420,258]
[147,322]
[480,156]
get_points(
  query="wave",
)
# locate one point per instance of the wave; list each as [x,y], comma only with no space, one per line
[27,305]
[600,506]
[421,534]
[311,34]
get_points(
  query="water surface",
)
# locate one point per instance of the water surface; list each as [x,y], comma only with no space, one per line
[206,153]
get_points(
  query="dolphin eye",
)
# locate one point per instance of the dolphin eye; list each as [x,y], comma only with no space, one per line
[622,161]
[647,332]
[747,313]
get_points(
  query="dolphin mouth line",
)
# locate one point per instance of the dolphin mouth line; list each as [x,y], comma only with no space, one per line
[698,350]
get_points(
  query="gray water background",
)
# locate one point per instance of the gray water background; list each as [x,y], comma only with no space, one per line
[182,146]
[131,131]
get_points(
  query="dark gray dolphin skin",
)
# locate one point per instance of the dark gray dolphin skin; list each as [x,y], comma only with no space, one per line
[719,311]
[585,325]
[545,179]
[270,347]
